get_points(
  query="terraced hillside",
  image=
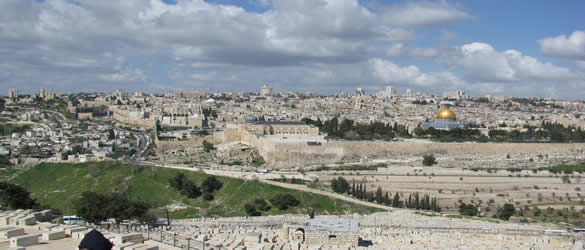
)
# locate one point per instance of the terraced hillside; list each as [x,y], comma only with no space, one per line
[58,185]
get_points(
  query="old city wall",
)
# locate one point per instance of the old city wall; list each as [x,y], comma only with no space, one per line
[285,154]
[146,123]
[164,145]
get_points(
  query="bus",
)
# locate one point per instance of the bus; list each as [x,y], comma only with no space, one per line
[72,219]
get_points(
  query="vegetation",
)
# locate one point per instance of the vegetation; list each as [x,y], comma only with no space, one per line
[506,211]
[467,209]
[350,130]
[352,167]
[451,135]
[340,185]
[284,201]
[565,169]
[14,197]
[547,132]
[95,208]
[429,160]
[7,128]
[58,185]
[185,186]
[207,147]
[414,201]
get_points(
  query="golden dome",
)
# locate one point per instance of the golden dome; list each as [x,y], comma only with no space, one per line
[446,114]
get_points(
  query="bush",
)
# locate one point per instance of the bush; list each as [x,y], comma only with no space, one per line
[95,208]
[184,186]
[211,184]
[284,201]
[208,196]
[261,204]
[340,185]
[251,210]
[506,212]
[15,197]
[207,147]
[429,160]
[467,209]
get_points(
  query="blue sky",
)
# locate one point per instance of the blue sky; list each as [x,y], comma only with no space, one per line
[513,48]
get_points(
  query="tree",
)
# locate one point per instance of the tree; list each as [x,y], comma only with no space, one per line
[467,210]
[284,201]
[95,208]
[340,185]
[251,210]
[178,181]
[91,207]
[261,204]
[15,197]
[506,212]
[211,184]
[191,190]
[111,134]
[429,160]
[379,197]
[396,201]
[207,147]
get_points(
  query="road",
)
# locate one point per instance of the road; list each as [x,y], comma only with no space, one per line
[326,193]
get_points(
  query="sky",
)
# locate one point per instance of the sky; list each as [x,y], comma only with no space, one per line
[496,47]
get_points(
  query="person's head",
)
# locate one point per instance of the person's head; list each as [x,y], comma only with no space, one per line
[94,240]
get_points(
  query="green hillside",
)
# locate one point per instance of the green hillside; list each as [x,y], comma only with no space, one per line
[57,185]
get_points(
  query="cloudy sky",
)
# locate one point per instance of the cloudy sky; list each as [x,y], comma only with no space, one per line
[496,47]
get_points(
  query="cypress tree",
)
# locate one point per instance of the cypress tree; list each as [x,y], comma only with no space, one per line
[416,201]
[387,200]
[396,200]
[379,197]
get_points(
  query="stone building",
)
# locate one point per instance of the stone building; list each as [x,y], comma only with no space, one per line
[266,91]
[280,128]
[183,117]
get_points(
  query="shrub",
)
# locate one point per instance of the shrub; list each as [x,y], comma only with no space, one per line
[208,196]
[284,201]
[429,160]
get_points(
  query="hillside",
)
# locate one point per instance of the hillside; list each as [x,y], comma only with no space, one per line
[57,185]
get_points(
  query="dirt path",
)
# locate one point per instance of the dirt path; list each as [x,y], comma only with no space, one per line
[325,193]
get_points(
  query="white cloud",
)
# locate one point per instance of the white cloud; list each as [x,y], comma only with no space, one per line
[390,72]
[415,14]
[126,75]
[395,50]
[422,53]
[481,62]
[562,46]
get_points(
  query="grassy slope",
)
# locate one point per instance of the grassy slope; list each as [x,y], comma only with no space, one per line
[57,185]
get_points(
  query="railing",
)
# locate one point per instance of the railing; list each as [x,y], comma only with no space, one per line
[160,233]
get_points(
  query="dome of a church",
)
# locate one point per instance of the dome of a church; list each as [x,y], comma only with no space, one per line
[446,114]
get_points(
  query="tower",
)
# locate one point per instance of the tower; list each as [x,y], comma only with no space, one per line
[266,91]
[42,93]
[389,92]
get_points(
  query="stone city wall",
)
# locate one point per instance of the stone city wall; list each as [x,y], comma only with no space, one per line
[164,145]
[122,116]
[294,154]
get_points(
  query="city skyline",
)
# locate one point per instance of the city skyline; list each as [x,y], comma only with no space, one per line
[495,48]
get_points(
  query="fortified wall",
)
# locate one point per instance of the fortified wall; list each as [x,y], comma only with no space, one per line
[290,151]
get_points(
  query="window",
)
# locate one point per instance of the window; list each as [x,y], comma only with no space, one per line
[331,236]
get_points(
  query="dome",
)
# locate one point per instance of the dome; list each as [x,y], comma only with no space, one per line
[446,114]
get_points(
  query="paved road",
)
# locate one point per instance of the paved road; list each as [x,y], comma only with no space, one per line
[326,193]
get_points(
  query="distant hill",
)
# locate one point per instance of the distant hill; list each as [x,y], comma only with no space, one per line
[58,185]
